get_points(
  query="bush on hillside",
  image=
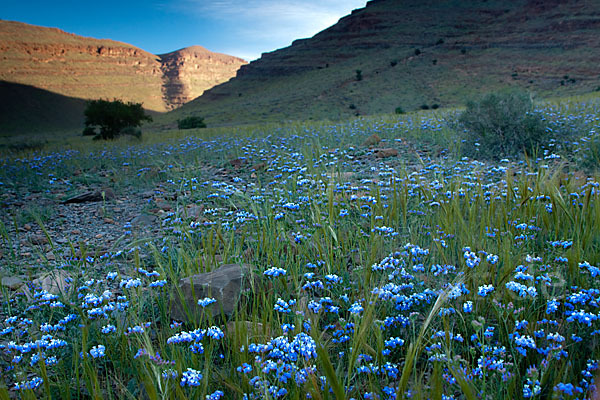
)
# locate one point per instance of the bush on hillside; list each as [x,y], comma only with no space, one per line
[502,124]
[109,119]
[191,123]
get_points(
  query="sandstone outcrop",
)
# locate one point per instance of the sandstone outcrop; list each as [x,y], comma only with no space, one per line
[88,68]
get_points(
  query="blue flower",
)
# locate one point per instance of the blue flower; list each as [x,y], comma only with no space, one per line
[245,368]
[356,308]
[31,384]
[191,377]
[215,396]
[521,290]
[97,351]
[206,301]
[552,306]
[468,307]
[274,272]
[106,329]
[485,290]
[214,332]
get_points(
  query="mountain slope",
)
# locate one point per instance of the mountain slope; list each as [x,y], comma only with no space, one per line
[188,72]
[88,68]
[28,109]
[413,53]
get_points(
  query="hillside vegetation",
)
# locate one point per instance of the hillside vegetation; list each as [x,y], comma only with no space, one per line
[414,54]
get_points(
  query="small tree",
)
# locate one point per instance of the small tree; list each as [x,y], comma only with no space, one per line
[109,119]
[503,124]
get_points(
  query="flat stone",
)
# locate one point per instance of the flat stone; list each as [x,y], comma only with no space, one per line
[39,239]
[12,282]
[144,220]
[385,153]
[224,284]
[248,329]
[258,167]
[372,140]
[56,282]
[194,211]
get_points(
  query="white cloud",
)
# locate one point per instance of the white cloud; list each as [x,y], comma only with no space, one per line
[265,25]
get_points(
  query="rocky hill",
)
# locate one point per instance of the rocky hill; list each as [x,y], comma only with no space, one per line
[188,72]
[413,54]
[86,68]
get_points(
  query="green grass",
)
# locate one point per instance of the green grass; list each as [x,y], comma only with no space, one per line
[401,235]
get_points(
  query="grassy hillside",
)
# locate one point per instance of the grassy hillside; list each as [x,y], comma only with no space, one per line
[412,54]
[26,109]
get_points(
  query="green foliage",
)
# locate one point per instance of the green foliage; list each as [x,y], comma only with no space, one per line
[191,123]
[588,157]
[399,110]
[502,124]
[359,76]
[109,119]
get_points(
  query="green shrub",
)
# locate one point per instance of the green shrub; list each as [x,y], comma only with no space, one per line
[587,156]
[502,124]
[191,123]
[399,110]
[131,131]
[359,75]
[109,119]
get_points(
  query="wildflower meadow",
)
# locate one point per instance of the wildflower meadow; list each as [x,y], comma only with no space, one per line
[424,274]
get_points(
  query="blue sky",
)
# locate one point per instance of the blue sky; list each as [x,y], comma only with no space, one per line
[244,28]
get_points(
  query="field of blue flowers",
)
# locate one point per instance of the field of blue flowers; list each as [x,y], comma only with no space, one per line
[421,275]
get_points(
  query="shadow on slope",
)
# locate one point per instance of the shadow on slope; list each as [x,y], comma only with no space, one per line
[26,109]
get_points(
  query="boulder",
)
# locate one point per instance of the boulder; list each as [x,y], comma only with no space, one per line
[144,220]
[224,284]
[385,153]
[372,140]
[259,167]
[248,330]
[92,196]
[12,282]
[56,282]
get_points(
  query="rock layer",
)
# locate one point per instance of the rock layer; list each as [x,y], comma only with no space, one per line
[189,72]
[88,68]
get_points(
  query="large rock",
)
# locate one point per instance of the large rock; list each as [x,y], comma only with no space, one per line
[385,153]
[12,282]
[224,284]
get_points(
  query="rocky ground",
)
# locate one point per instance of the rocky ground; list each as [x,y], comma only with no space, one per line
[66,230]
[46,230]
